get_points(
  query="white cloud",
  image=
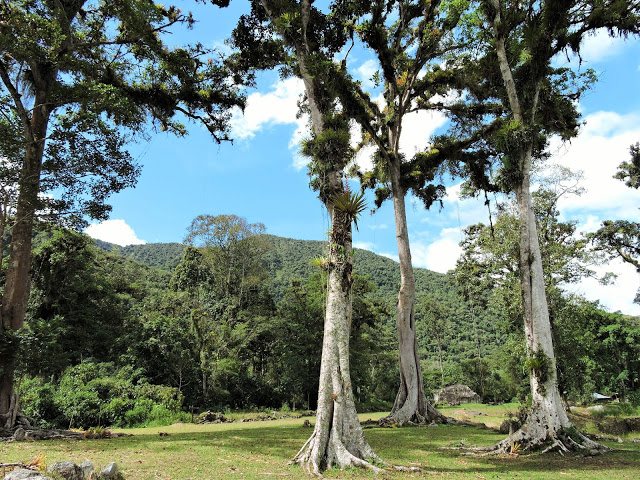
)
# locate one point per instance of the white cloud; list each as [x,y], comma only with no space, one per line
[440,255]
[114,231]
[599,46]
[617,296]
[278,106]
[597,151]
[364,245]
[365,71]
[417,127]
[364,156]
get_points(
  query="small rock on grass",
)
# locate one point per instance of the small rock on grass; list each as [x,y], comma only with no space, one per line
[67,470]
[87,468]
[110,471]
[24,474]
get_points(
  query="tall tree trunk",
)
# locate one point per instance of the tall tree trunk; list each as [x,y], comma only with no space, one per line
[338,438]
[411,405]
[547,424]
[16,290]
[547,416]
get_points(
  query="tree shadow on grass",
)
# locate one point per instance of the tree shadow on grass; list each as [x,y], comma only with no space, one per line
[422,446]
[265,450]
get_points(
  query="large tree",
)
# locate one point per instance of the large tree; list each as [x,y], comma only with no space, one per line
[232,250]
[409,39]
[80,75]
[223,273]
[305,42]
[517,46]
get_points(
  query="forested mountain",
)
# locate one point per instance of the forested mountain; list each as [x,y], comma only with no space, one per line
[112,340]
[466,333]
[159,255]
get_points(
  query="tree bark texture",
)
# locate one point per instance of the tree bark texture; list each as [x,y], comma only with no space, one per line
[16,290]
[411,405]
[338,438]
[547,425]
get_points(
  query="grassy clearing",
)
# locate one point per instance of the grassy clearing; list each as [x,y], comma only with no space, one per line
[261,450]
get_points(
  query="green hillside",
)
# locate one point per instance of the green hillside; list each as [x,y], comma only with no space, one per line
[104,321]
[467,332]
[159,255]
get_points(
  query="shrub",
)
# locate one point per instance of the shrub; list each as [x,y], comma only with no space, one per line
[140,412]
[114,411]
[37,400]
[634,398]
[619,409]
[99,394]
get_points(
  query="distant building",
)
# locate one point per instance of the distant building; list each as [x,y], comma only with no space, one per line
[599,398]
[455,395]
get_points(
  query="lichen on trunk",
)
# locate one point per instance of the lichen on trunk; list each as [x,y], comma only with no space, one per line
[338,439]
[547,426]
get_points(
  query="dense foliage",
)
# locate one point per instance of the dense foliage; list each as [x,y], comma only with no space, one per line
[111,341]
[597,351]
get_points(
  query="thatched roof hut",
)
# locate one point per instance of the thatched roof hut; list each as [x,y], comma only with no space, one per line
[455,395]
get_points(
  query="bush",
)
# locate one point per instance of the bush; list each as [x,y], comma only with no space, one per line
[114,412]
[140,413]
[98,394]
[634,398]
[36,398]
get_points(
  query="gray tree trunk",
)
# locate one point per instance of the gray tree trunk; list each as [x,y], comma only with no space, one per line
[411,404]
[338,438]
[547,424]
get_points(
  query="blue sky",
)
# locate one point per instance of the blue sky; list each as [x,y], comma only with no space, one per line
[263,178]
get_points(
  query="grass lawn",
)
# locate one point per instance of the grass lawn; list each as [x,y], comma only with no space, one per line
[261,450]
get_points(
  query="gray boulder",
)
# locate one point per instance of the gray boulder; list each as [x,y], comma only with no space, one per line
[67,470]
[110,471]
[87,469]
[19,434]
[23,473]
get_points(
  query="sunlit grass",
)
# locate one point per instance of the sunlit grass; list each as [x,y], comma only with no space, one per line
[260,450]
